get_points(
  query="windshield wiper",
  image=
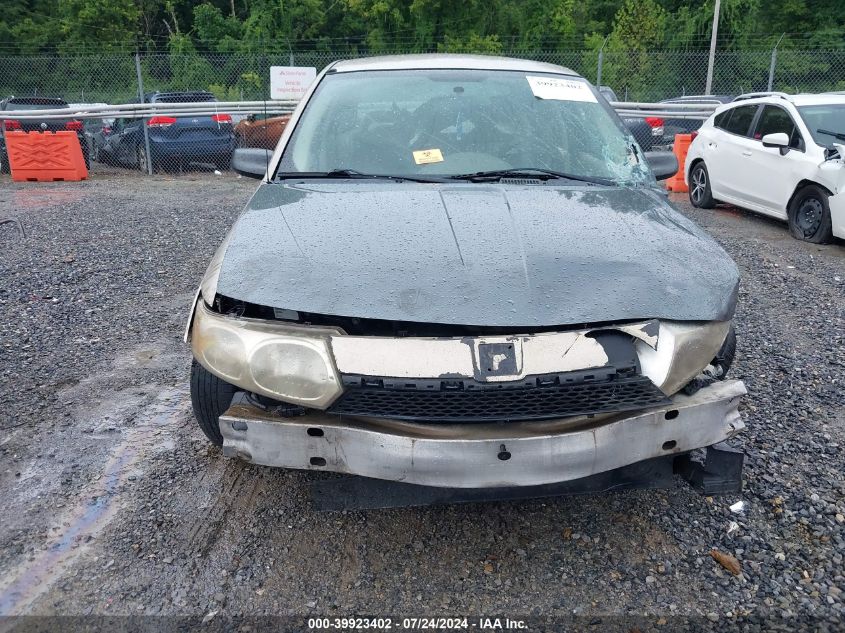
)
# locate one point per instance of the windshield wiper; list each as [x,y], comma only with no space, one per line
[528,172]
[840,136]
[351,173]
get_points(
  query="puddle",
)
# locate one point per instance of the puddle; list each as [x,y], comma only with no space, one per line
[99,504]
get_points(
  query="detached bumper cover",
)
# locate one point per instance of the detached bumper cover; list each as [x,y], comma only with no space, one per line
[481,455]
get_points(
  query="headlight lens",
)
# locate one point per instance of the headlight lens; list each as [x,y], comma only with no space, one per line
[683,351]
[285,362]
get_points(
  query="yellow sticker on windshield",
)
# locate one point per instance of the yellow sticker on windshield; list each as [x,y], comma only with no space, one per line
[426,156]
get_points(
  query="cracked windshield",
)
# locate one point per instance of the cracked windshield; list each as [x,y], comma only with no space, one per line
[452,123]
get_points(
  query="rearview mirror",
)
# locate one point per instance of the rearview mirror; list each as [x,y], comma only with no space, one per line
[663,164]
[251,161]
[776,139]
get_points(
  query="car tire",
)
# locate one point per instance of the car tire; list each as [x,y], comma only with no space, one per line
[210,397]
[809,215]
[700,194]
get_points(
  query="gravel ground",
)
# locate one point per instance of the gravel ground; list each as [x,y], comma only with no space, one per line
[116,504]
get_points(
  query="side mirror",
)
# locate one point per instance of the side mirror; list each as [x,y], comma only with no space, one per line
[779,140]
[251,161]
[663,164]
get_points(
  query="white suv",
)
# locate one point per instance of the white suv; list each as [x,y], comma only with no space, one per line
[781,155]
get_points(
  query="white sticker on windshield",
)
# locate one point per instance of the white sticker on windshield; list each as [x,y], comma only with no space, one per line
[561,89]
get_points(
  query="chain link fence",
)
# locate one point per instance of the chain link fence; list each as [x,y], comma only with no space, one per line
[646,76]
[634,75]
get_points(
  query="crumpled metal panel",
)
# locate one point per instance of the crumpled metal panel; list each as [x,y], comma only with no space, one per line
[476,254]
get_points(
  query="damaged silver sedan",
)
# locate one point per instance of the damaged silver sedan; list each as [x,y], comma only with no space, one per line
[460,272]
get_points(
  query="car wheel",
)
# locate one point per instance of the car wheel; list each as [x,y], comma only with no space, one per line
[210,397]
[809,216]
[699,187]
[141,158]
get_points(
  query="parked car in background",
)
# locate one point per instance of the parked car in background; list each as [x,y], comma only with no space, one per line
[25,124]
[95,130]
[647,131]
[259,130]
[671,127]
[458,272]
[174,141]
[777,154]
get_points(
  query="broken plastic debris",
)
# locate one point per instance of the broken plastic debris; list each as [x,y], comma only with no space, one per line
[217,172]
[209,616]
[733,526]
[738,507]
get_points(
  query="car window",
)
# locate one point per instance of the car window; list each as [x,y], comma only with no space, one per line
[829,117]
[775,119]
[450,122]
[721,120]
[184,97]
[741,118]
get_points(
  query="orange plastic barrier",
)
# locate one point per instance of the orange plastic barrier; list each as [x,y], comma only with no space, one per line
[680,148]
[45,156]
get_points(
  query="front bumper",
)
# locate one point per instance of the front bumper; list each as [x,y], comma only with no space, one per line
[482,455]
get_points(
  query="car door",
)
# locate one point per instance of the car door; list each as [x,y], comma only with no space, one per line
[724,151]
[126,140]
[111,143]
[772,174]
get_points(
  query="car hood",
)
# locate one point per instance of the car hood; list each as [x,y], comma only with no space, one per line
[475,254]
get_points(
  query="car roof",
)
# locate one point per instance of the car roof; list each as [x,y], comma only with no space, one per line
[447,61]
[36,100]
[796,99]
[701,99]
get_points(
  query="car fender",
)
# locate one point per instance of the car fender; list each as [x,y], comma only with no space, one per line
[832,177]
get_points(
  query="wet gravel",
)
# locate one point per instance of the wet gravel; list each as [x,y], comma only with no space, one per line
[114,503]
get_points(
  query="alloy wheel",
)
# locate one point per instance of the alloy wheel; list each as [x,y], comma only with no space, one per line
[142,159]
[699,185]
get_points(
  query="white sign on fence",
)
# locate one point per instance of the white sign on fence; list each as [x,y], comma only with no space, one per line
[290,82]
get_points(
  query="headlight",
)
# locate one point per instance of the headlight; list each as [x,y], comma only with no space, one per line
[282,361]
[683,351]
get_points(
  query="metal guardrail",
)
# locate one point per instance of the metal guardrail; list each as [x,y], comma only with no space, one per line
[203,108]
[699,111]
[138,110]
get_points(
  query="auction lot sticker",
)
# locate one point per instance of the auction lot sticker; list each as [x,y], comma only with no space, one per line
[561,89]
[426,156]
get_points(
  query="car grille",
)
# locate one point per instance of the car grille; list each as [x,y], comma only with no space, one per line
[499,404]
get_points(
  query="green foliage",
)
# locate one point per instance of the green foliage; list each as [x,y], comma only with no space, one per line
[228,26]
[227,46]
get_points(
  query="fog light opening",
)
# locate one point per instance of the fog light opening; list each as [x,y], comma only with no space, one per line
[671,414]
[314,432]
[318,461]
[668,446]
